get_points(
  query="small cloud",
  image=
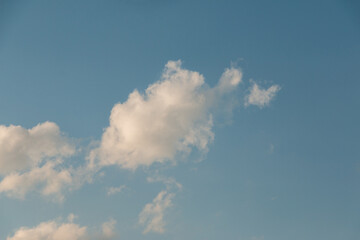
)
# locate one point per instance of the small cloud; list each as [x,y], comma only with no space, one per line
[261,97]
[114,190]
[229,80]
[152,216]
[169,182]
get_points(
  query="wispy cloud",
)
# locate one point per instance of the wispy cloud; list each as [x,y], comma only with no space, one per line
[114,190]
[152,216]
[170,183]
[108,229]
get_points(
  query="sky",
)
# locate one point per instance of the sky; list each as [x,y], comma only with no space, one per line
[169,119]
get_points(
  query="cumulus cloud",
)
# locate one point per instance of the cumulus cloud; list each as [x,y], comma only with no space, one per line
[51,230]
[261,97]
[22,148]
[57,230]
[152,216]
[32,160]
[51,180]
[173,116]
[46,179]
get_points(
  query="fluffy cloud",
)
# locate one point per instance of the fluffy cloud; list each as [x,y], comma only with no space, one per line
[46,179]
[261,97]
[22,148]
[51,230]
[31,159]
[56,230]
[51,180]
[152,216]
[171,117]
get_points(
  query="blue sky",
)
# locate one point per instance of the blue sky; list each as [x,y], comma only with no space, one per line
[244,124]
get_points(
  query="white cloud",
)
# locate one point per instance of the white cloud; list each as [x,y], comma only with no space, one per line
[46,179]
[51,230]
[152,216]
[114,190]
[261,97]
[33,160]
[51,180]
[22,148]
[229,80]
[57,230]
[171,117]
[108,229]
